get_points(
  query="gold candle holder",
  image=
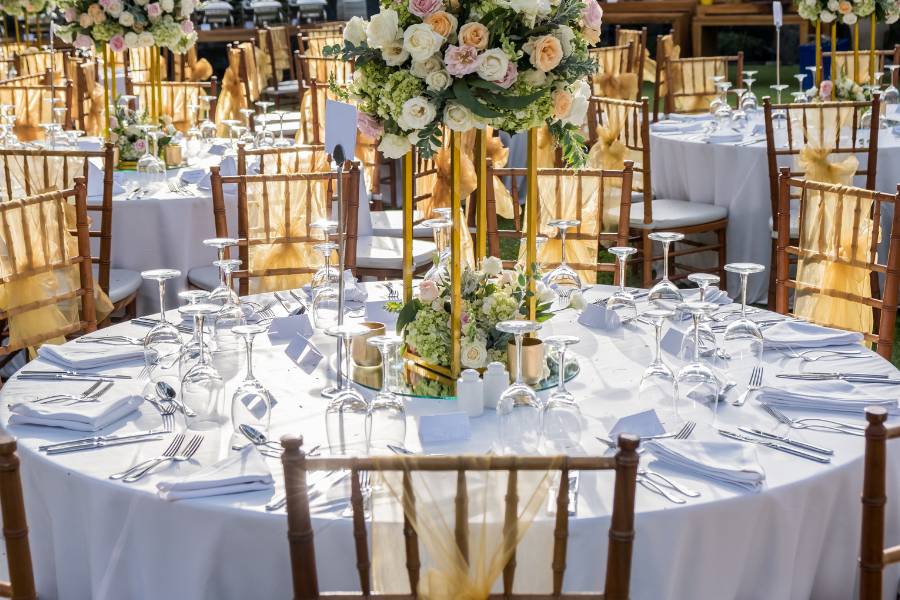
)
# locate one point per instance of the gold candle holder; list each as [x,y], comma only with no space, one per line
[364,354]
[173,155]
[369,377]
[533,359]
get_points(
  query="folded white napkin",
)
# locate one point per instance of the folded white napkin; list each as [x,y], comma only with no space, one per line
[676,126]
[95,181]
[193,175]
[703,116]
[353,292]
[829,395]
[84,416]
[245,471]
[723,461]
[713,294]
[89,356]
[724,137]
[800,334]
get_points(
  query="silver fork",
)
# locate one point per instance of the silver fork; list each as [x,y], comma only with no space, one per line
[754,384]
[110,340]
[663,480]
[815,423]
[823,353]
[174,445]
[682,434]
[95,397]
[187,454]
[60,397]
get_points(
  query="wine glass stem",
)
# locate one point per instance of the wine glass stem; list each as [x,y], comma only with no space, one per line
[561,387]
[743,295]
[162,302]
[200,319]
[518,358]
[658,328]
[696,339]
[562,241]
[665,261]
[622,260]
[228,282]
[347,360]
[248,340]
[702,293]
[385,369]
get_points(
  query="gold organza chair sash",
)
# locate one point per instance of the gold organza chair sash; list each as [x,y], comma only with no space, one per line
[280,47]
[692,83]
[176,98]
[32,107]
[612,80]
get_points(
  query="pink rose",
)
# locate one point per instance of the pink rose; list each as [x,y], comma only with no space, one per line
[825,89]
[423,8]
[83,41]
[512,73]
[70,14]
[461,60]
[465,318]
[117,43]
[428,291]
[154,10]
[369,125]
[104,3]
[139,145]
[592,14]
[187,27]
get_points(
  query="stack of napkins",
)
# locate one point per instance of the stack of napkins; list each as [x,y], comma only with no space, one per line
[245,471]
[353,292]
[84,416]
[723,461]
[800,334]
[90,356]
[830,394]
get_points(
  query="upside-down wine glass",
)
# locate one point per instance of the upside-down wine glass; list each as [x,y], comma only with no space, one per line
[696,384]
[708,345]
[247,137]
[222,293]
[562,421]
[202,387]
[440,269]
[193,133]
[230,315]
[251,403]
[743,339]
[563,279]
[519,409]
[281,141]
[264,137]
[387,416]
[539,242]
[717,100]
[622,298]
[779,116]
[665,290]
[231,124]
[891,96]
[326,275]
[658,381]
[208,129]
[190,352]
[162,344]
[347,415]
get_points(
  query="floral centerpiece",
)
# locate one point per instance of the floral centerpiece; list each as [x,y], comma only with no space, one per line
[844,88]
[25,8]
[126,134]
[849,12]
[489,296]
[508,64]
[130,24]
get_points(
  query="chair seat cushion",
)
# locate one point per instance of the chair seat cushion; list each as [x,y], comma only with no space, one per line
[390,223]
[289,86]
[795,226]
[215,7]
[204,278]
[122,283]
[382,252]
[672,214]
[265,5]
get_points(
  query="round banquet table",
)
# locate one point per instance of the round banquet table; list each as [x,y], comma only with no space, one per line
[797,538]
[736,175]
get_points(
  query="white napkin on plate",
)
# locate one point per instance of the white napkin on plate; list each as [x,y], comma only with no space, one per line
[95,181]
[352,291]
[713,294]
[245,471]
[84,416]
[800,334]
[89,356]
[676,126]
[723,461]
[724,137]
[193,175]
[830,395]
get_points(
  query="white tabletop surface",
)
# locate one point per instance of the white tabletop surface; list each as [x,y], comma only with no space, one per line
[797,538]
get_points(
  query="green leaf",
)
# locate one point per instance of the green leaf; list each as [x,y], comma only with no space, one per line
[514,102]
[486,85]
[465,97]
[407,314]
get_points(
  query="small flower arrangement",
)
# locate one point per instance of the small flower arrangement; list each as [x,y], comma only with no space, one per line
[849,12]
[844,88]
[508,64]
[23,8]
[128,24]
[125,133]
[489,296]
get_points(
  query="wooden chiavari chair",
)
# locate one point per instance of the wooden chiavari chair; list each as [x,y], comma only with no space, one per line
[844,63]
[41,61]
[188,67]
[275,46]
[177,96]
[32,104]
[85,115]
[27,172]
[873,556]
[311,42]
[689,83]
[315,94]
[15,526]
[594,191]
[666,48]
[638,40]
[843,243]
[35,256]
[650,214]
[617,75]
[302,540]
[137,64]
[862,146]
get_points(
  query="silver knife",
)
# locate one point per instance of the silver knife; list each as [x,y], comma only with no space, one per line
[92,445]
[63,377]
[828,375]
[849,377]
[775,446]
[75,374]
[775,438]
[99,438]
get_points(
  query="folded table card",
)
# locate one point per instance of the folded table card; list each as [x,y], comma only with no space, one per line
[377,313]
[446,427]
[644,424]
[597,316]
[304,354]
[283,329]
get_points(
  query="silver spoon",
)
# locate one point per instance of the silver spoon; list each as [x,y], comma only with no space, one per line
[167,392]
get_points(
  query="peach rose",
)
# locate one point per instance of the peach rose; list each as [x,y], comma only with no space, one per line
[591,35]
[845,7]
[546,54]
[562,104]
[475,35]
[443,23]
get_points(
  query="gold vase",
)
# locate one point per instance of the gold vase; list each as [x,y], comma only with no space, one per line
[364,354]
[369,377]
[533,360]
[173,156]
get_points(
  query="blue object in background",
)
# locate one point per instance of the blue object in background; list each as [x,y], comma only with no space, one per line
[808,58]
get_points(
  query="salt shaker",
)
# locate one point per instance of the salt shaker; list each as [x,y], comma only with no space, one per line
[496,380]
[470,393]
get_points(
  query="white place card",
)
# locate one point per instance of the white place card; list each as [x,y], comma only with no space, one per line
[596,316]
[376,312]
[340,127]
[218,149]
[673,336]
[777,14]
[304,354]
[205,27]
[447,427]
[643,424]
[283,329]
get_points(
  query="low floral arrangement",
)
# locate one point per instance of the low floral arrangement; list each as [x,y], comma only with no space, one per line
[849,12]
[24,8]
[844,88]
[130,24]
[508,64]
[125,133]
[489,296]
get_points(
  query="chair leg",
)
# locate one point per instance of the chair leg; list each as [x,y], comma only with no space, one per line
[770,301]
[723,258]
[648,260]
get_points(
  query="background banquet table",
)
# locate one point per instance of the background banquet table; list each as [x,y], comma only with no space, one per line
[96,538]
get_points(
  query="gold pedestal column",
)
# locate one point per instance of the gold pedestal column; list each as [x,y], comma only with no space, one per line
[818,78]
[481,250]
[408,209]
[455,255]
[531,220]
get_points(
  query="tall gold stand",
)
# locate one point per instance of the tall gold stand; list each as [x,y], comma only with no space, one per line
[818,78]
[481,250]
[408,209]
[455,254]
[531,219]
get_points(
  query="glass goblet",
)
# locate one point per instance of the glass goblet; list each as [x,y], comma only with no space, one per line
[202,387]
[230,315]
[281,141]
[440,269]
[251,403]
[387,416]
[891,96]
[562,421]
[622,298]
[743,339]
[231,124]
[190,352]
[519,409]
[563,279]
[325,307]
[208,129]
[664,290]
[539,242]
[327,275]
[658,381]
[708,345]
[347,415]
[162,344]
[696,384]
[222,293]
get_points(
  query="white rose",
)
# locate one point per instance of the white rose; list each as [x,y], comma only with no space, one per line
[428,291]
[131,38]
[833,5]
[187,9]
[458,117]
[437,305]
[531,7]
[494,64]
[892,18]
[421,41]
[491,266]
[423,68]
[417,112]
[114,9]
[850,19]
[126,19]
[565,35]
[145,40]
[533,77]
[826,16]
[438,81]
[576,300]
[355,31]
[474,355]
[581,96]
[141,2]
[394,54]
[507,277]
[543,293]
[393,146]
[167,5]
[383,28]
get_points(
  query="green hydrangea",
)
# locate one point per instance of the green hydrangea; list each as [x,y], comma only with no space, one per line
[105,30]
[399,87]
[428,335]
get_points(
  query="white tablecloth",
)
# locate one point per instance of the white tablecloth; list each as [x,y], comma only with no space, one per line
[796,539]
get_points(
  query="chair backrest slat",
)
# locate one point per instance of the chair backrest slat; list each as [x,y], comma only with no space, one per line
[15,524]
